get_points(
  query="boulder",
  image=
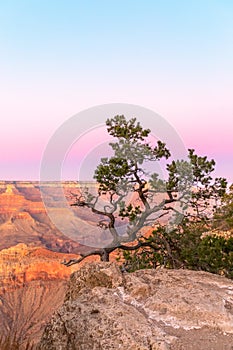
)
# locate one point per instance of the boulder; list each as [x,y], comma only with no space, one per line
[146,310]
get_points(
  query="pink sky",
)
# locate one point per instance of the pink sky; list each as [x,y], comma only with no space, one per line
[23,139]
[54,64]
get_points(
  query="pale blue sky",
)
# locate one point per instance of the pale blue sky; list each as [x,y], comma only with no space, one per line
[60,57]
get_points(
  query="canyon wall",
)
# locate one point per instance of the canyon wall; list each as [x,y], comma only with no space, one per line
[32,278]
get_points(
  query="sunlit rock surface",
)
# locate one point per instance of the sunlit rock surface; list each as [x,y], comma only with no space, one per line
[148,309]
[21,264]
[32,287]
[24,219]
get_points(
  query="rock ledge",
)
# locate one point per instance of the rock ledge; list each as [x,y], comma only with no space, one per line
[145,310]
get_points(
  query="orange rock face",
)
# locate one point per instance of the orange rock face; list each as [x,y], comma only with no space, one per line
[12,201]
[23,219]
[21,264]
[31,247]
[32,278]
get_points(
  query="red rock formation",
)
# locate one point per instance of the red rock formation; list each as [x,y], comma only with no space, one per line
[32,278]
[21,264]
[24,311]
[12,201]
[32,286]
[23,219]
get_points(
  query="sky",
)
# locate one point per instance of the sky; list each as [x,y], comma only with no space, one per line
[58,58]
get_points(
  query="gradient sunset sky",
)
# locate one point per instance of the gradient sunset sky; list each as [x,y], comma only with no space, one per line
[58,58]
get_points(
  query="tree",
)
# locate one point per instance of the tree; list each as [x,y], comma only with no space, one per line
[223,218]
[188,248]
[152,197]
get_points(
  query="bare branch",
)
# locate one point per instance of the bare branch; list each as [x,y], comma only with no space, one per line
[137,246]
[99,252]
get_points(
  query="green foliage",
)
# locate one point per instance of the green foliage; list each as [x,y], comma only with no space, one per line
[128,191]
[205,189]
[119,127]
[184,248]
[216,255]
[131,150]
[109,171]
[201,167]
[223,218]
[130,211]
[147,259]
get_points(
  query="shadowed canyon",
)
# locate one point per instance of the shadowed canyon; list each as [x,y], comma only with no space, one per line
[99,307]
[32,278]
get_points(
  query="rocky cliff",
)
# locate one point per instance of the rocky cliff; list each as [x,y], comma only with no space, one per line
[21,264]
[23,219]
[24,311]
[32,278]
[146,310]
[32,286]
